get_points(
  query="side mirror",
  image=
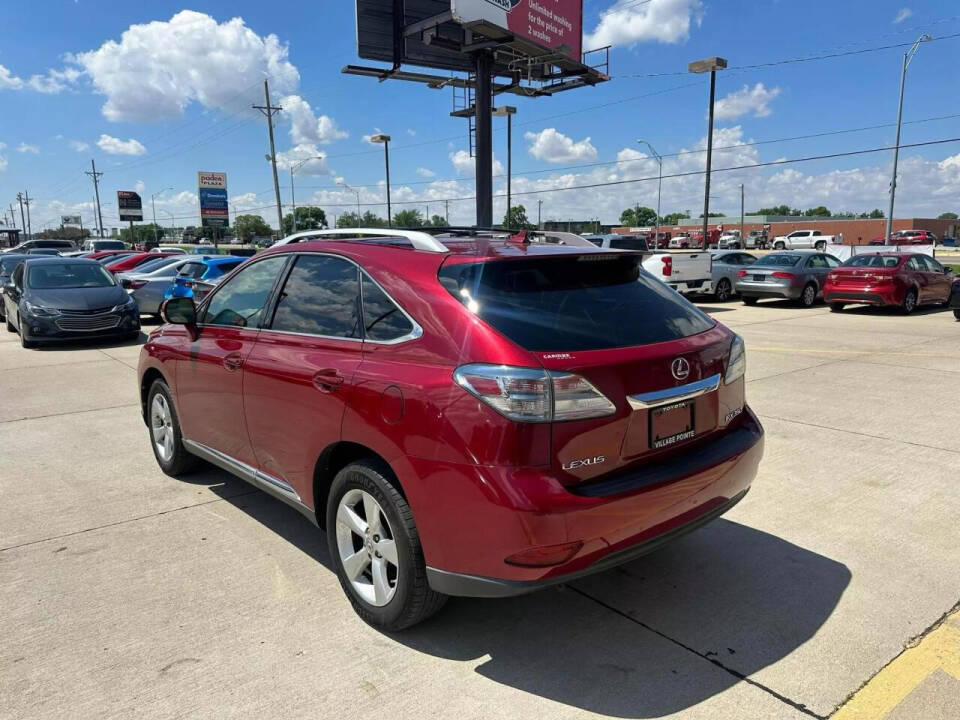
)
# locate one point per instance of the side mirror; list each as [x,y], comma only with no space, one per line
[181,311]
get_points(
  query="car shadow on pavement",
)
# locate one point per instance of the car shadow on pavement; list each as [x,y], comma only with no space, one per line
[650,638]
[91,344]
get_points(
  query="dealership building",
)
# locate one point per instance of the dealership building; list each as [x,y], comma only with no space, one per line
[855,231]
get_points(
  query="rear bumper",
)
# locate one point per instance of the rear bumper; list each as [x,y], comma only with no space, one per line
[489,514]
[694,287]
[868,296]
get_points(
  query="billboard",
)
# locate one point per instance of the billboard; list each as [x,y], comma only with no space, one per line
[554,24]
[212,191]
[70,220]
[130,205]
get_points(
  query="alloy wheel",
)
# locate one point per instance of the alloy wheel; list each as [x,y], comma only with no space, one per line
[910,301]
[161,427]
[809,295]
[723,290]
[367,548]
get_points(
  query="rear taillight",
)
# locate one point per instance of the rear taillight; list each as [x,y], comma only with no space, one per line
[879,279]
[783,275]
[741,273]
[737,362]
[134,284]
[532,395]
[667,265]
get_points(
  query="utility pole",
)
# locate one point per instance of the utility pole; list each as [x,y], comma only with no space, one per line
[26,201]
[446,211]
[271,110]
[23,222]
[539,211]
[742,241]
[96,191]
[907,57]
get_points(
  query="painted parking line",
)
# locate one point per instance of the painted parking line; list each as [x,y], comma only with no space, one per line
[811,351]
[937,651]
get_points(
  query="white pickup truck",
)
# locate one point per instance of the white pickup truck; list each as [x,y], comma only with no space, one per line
[687,271]
[804,240]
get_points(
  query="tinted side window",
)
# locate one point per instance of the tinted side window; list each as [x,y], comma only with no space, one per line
[628,243]
[914,264]
[932,265]
[747,259]
[382,319]
[193,270]
[817,261]
[321,297]
[831,261]
[240,301]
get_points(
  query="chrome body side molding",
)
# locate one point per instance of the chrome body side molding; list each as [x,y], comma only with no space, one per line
[668,396]
[259,479]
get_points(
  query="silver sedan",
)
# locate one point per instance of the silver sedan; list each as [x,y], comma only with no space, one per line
[794,275]
[147,288]
[726,264]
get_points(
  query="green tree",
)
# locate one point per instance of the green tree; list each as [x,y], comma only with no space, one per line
[775,210]
[141,234]
[308,218]
[516,219]
[949,216]
[368,219]
[673,218]
[408,218]
[439,221]
[713,214]
[875,214]
[249,226]
[639,216]
[819,211]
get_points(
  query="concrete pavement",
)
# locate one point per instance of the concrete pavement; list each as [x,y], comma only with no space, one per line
[129,594]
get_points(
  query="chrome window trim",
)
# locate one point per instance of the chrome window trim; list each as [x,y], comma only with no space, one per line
[668,396]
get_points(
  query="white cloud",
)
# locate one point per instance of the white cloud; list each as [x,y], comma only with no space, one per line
[628,22]
[411,132]
[140,186]
[116,146]
[425,172]
[902,15]
[746,101]
[305,126]
[466,165]
[8,81]
[25,148]
[79,145]
[3,159]
[156,69]
[304,151]
[552,146]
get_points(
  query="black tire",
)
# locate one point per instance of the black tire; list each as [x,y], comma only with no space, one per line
[820,245]
[24,343]
[780,246]
[413,600]
[723,291]
[808,298]
[10,327]
[836,307]
[956,313]
[180,462]
[750,300]
[909,303]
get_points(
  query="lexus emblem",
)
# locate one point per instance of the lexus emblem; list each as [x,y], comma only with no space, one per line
[680,369]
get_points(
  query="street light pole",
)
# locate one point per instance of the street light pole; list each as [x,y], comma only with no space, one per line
[341,181]
[385,139]
[659,184]
[293,199]
[153,205]
[907,57]
[710,65]
[509,111]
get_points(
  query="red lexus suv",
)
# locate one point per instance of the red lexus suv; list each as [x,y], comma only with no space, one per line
[466,413]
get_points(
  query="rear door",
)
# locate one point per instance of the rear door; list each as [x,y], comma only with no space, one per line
[300,372]
[938,283]
[917,272]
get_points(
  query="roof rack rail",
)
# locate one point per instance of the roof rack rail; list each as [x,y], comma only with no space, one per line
[420,240]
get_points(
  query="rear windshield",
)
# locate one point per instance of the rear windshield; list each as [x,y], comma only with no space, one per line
[778,260]
[584,302]
[69,275]
[109,245]
[877,261]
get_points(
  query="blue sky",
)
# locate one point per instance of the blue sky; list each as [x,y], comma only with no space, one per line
[157,91]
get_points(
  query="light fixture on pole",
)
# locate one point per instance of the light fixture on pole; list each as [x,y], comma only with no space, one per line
[153,205]
[659,160]
[341,181]
[508,111]
[907,57]
[385,139]
[710,65]
[293,200]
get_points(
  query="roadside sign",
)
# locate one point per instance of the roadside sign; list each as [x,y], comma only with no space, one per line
[69,219]
[130,205]
[212,191]
[553,24]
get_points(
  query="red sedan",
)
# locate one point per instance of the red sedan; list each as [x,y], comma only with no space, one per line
[127,263]
[904,280]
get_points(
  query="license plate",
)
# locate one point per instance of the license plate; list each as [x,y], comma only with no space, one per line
[759,278]
[671,424]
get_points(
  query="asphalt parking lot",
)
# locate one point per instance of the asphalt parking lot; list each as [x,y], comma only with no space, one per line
[129,594]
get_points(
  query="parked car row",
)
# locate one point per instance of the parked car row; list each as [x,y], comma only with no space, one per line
[892,279]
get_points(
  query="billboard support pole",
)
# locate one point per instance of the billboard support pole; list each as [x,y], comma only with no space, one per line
[484,167]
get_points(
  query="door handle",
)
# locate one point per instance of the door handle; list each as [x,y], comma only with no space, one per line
[232,361]
[327,380]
